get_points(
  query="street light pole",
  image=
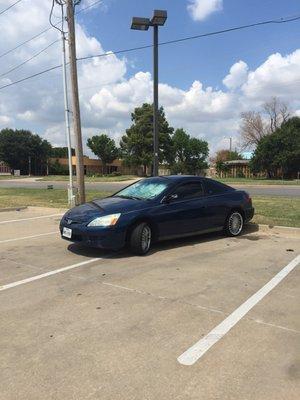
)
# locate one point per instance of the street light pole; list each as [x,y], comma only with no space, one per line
[155,101]
[142,24]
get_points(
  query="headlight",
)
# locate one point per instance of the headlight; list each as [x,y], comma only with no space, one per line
[106,220]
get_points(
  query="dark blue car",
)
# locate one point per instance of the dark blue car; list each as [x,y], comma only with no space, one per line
[155,209]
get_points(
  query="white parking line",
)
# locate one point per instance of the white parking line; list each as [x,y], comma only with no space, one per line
[190,356]
[46,274]
[27,237]
[27,219]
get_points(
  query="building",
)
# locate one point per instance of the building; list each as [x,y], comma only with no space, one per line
[4,169]
[94,166]
[238,169]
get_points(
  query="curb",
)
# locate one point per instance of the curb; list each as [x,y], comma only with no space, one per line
[13,208]
[280,230]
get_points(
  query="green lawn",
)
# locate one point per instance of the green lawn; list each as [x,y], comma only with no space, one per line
[268,210]
[3,177]
[15,197]
[105,178]
[284,211]
[259,181]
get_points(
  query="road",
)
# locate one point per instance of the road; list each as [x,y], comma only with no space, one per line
[262,190]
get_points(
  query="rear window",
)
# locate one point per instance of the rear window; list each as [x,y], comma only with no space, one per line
[214,187]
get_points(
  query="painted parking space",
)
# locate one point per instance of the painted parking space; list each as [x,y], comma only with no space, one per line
[82,323]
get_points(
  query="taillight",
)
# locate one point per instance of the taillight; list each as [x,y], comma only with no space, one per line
[248,198]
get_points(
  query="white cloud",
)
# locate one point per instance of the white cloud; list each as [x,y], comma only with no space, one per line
[4,121]
[237,75]
[277,76]
[201,9]
[26,116]
[108,95]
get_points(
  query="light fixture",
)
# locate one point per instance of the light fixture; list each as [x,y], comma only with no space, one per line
[140,24]
[159,17]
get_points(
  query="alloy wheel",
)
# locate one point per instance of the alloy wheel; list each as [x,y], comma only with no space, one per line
[235,223]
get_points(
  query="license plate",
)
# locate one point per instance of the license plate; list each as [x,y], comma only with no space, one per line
[67,232]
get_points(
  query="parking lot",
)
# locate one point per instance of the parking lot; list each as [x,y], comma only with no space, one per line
[88,324]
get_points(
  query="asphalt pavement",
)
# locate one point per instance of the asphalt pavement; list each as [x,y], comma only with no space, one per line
[253,190]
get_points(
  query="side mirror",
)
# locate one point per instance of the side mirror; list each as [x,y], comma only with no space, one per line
[170,198]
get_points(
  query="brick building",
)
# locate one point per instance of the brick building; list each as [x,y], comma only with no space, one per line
[94,166]
[4,169]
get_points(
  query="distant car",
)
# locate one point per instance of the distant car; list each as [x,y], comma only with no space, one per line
[155,209]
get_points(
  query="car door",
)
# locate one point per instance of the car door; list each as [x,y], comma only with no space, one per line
[217,203]
[185,212]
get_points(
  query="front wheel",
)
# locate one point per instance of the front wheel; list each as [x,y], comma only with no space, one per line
[234,223]
[140,239]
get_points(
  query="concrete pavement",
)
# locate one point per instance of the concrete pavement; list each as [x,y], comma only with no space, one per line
[87,324]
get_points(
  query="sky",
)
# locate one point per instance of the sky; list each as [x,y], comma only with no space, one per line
[205,83]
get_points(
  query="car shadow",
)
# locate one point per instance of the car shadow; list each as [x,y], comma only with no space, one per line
[85,251]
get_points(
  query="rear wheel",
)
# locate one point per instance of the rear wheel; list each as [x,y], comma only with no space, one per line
[140,239]
[234,223]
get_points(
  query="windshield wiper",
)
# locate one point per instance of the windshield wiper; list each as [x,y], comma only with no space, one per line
[129,197]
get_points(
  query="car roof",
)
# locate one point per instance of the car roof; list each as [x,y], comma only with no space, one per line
[178,178]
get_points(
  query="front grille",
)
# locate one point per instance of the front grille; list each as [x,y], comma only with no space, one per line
[70,221]
[76,238]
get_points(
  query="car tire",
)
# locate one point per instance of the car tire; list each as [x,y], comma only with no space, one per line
[234,223]
[141,239]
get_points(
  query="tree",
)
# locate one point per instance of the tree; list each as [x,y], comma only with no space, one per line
[257,124]
[21,148]
[61,152]
[137,143]
[279,151]
[225,155]
[104,148]
[252,128]
[277,113]
[189,154]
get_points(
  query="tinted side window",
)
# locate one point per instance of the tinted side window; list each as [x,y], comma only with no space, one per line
[189,190]
[212,187]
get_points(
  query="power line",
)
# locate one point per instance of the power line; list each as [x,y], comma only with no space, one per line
[26,41]
[87,7]
[61,19]
[278,21]
[44,31]
[9,7]
[32,76]
[29,59]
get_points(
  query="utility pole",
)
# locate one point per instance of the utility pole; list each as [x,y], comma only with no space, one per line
[230,145]
[29,165]
[71,197]
[155,100]
[75,103]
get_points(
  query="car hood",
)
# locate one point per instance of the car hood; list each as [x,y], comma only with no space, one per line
[110,205]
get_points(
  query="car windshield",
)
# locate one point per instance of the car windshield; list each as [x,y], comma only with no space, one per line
[145,189]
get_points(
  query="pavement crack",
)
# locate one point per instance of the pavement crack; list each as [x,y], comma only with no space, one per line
[142,292]
[163,297]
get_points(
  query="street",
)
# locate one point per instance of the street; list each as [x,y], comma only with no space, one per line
[267,190]
[80,323]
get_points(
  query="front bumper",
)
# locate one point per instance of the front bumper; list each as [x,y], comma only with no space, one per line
[103,238]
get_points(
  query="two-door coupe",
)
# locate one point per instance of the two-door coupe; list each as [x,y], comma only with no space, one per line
[158,208]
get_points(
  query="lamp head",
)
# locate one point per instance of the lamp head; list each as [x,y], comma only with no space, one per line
[159,17]
[140,24]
